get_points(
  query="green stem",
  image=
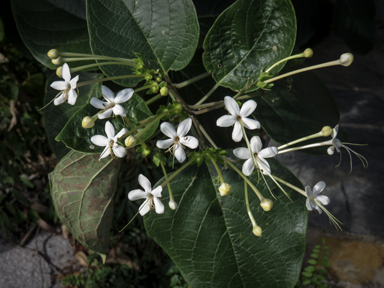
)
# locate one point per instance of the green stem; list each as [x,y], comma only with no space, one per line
[254,224]
[110,78]
[179,170]
[201,128]
[208,94]
[133,127]
[147,124]
[248,144]
[192,80]
[153,99]
[168,185]
[80,68]
[291,186]
[94,57]
[319,134]
[145,87]
[217,169]
[325,143]
[301,55]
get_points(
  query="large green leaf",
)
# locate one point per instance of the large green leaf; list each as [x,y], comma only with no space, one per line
[78,138]
[246,37]
[164,32]
[48,24]
[297,111]
[55,117]
[210,238]
[82,190]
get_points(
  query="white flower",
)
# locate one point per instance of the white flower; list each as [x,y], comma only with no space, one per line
[112,103]
[237,116]
[314,200]
[110,142]
[177,139]
[152,201]
[67,87]
[337,144]
[256,145]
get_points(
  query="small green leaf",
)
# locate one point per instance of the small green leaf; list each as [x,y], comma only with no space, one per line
[314,255]
[318,246]
[26,181]
[307,274]
[310,269]
[306,282]
[316,250]
[312,261]
[321,277]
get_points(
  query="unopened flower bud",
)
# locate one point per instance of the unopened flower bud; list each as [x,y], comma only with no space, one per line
[257,231]
[53,54]
[164,91]
[326,131]
[59,72]
[346,59]
[266,204]
[88,122]
[146,152]
[57,61]
[130,141]
[148,77]
[159,79]
[172,204]
[225,189]
[308,53]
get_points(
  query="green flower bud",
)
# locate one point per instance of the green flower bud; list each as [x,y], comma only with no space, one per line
[225,189]
[326,131]
[59,72]
[257,231]
[57,61]
[53,54]
[308,53]
[148,77]
[346,59]
[88,122]
[158,79]
[130,141]
[164,91]
[146,152]
[266,204]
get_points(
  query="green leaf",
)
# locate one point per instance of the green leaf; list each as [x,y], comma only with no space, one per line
[82,190]
[310,269]
[57,116]
[78,138]
[210,237]
[299,111]
[307,274]
[316,250]
[247,37]
[306,281]
[314,255]
[164,32]
[45,24]
[312,261]
[26,181]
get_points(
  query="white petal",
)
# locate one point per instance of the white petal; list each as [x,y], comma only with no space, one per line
[144,208]
[106,114]
[264,166]
[97,103]
[137,194]
[59,85]
[247,108]
[331,150]
[109,130]
[268,152]
[72,97]
[184,127]
[119,110]
[190,142]
[107,94]
[251,124]
[308,204]
[164,144]
[105,153]
[180,154]
[100,140]
[318,188]
[323,199]
[144,182]
[73,82]
[226,121]
[308,191]
[231,105]
[119,151]
[242,153]
[159,207]
[248,167]
[168,130]
[66,73]
[256,144]
[120,134]
[335,131]
[318,209]
[237,134]
[157,191]
[124,95]
[59,100]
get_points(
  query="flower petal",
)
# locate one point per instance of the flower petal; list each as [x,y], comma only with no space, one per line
[97,103]
[66,73]
[308,204]
[109,130]
[120,134]
[268,152]
[137,194]
[100,140]
[180,154]
[72,97]
[242,153]
[168,130]
[318,188]
[335,131]
[308,191]
[107,94]
[247,108]
[119,151]
[59,100]
[105,153]
[190,142]
[119,110]
[323,199]
[226,121]
[256,144]
[124,95]
[144,208]
[318,209]
[231,105]
[237,134]
[59,85]
[263,166]
[159,207]
[248,167]
[144,182]
[73,82]
[251,124]
[184,127]
[157,191]
[106,114]
[164,144]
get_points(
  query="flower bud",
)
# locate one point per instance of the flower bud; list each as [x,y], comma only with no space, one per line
[308,53]
[172,204]
[88,122]
[164,91]
[326,131]
[257,231]
[53,54]
[159,79]
[59,72]
[224,189]
[148,77]
[130,141]
[57,61]
[146,152]
[346,59]
[266,204]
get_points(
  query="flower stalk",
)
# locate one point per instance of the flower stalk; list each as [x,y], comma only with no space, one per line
[192,80]
[256,228]
[325,131]
[172,203]
[308,53]
[180,170]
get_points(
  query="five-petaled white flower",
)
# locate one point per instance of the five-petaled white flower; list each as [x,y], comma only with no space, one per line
[337,144]
[110,142]
[237,116]
[256,145]
[67,87]
[112,103]
[152,197]
[177,139]
[314,200]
